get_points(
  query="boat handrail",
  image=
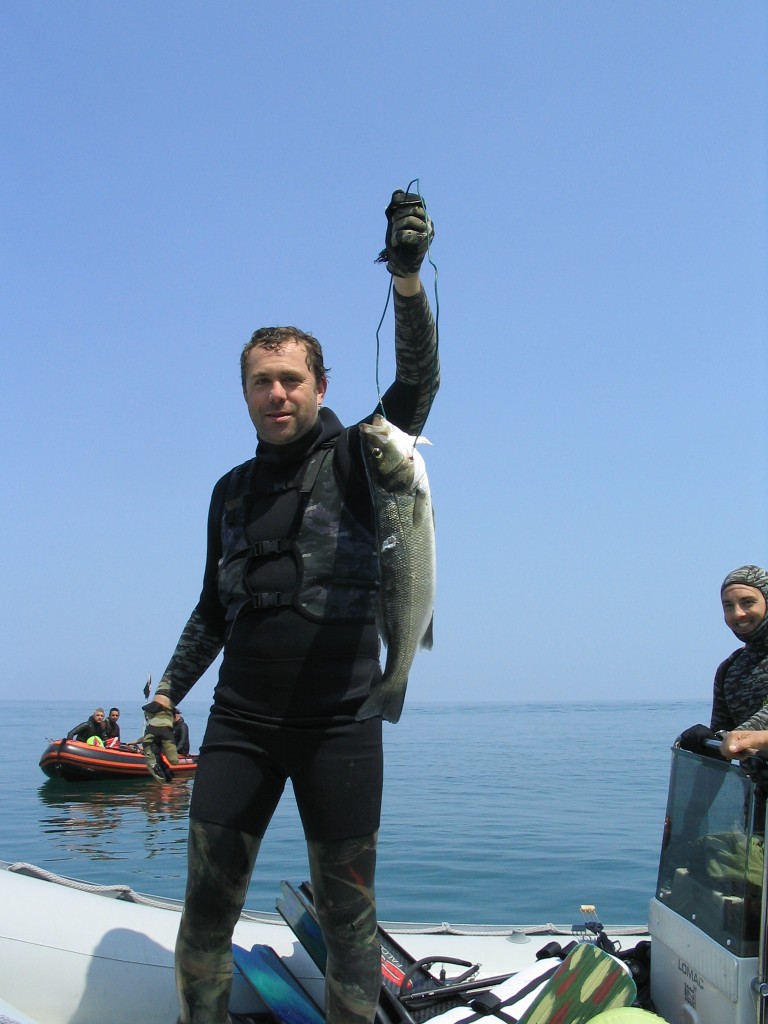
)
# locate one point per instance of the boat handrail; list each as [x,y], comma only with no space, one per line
[122,892]
[514,933]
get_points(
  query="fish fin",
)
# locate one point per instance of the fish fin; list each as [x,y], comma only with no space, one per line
[383,627]
[426,640]
[422,506]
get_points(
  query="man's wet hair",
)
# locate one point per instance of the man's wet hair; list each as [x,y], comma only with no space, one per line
[274,338]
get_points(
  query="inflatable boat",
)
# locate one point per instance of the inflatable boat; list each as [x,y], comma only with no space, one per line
[73,761]
[74,953]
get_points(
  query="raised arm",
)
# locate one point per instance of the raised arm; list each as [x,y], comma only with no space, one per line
[417,377]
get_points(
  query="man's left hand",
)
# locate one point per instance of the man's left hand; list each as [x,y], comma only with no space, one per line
[409,234]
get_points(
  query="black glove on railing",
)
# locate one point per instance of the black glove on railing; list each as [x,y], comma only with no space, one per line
[693,739]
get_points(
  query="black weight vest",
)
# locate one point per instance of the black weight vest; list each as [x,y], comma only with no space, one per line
[337,565]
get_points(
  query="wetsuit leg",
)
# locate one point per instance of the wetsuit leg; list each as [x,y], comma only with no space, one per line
[220,863]
[342,873]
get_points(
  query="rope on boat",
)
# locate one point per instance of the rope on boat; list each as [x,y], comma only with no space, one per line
[519,933]
[514,933]
[122,892]
[117,892]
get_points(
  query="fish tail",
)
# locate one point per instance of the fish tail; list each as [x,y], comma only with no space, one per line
[385,702]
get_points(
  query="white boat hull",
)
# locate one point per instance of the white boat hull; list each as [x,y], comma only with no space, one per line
[73,956]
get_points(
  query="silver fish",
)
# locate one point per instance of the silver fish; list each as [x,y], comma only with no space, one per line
[406,541]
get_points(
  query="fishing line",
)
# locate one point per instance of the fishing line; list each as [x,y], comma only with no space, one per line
[433,376]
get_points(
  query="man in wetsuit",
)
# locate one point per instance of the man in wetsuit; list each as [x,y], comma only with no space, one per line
[289,592]
[92,726]
[180,734]
[112,729]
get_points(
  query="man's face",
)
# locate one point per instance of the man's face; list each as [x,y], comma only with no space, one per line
[282,395]
[114,715]
[743,608]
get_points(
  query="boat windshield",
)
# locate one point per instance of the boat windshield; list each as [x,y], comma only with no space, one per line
[711,865]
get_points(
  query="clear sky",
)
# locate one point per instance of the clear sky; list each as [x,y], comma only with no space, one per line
[175,174]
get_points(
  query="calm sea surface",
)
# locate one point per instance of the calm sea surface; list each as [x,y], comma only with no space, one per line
[493,813]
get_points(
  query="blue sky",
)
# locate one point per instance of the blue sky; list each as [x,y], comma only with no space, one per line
[176,174]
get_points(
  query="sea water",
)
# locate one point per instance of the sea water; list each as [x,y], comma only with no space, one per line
[493,813]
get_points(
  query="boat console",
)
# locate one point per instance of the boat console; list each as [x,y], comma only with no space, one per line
[705,918]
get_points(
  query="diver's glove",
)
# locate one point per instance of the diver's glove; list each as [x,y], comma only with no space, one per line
[159,745]
[693,739]
[409,233]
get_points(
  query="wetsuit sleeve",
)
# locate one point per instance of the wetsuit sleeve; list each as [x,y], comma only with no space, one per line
[417,363]
[203,636]
[72,734]
[758,721]
[195,652]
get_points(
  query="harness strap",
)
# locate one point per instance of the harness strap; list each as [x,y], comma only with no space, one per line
[314,466]
[270,547]
[267,599]
[276,488]
[486,1003]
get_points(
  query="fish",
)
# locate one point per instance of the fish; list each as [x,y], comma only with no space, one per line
[405,536]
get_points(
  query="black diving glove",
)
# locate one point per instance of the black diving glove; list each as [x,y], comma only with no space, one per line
[409,233]
[693,739]
[159,744]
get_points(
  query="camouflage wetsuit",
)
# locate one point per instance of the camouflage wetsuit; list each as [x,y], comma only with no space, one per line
[284,707]
[741,689]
